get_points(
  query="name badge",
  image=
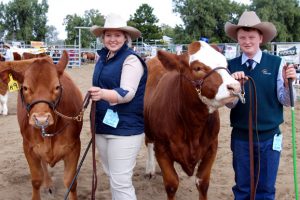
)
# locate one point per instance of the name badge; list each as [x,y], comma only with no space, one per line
[111,118]
[277,142]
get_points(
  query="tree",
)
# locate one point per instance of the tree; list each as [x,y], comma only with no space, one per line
[286,17]
[181,37]
[2,21]
[25,19]
[51,35]
[91,17]
[206,18]
[144,20]
[72,21]
[167,30]
[40,20]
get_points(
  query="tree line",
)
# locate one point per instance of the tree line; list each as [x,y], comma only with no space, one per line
[26,20]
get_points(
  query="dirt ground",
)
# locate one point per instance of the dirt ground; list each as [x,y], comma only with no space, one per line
[15,181]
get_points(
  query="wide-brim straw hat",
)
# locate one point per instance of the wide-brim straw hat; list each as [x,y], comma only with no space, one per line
[251,20]
[115,22]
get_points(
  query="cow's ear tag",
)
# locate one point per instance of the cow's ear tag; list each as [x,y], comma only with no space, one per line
[12,84]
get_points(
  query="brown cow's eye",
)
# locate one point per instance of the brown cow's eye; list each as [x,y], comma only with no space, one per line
[24,88]
[197,69]
[57,88]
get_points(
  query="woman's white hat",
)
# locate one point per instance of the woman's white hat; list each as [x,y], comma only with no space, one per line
[115,22]
[251,20]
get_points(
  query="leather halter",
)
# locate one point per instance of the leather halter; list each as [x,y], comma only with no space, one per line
[52,105]
[29,106]
[198,83]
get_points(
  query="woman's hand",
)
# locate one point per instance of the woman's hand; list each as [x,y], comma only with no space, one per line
[96,93]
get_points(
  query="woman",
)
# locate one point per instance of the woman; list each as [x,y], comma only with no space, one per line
[118,87]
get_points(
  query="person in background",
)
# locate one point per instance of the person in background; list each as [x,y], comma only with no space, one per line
[9,56]
[270,74]
[119,82]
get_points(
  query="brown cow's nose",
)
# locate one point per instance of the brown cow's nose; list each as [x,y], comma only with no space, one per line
[41,119]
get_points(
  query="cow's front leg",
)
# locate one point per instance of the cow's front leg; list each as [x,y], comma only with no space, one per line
[71,161]
[169,174]
[48,183]
[36,171]
[204,170]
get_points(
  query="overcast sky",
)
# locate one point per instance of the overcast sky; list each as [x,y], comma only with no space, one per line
[59,9]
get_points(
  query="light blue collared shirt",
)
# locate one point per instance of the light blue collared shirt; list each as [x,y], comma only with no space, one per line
[283,94]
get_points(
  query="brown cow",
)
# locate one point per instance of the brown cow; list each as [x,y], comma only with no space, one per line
[27,55]
[2,58]
[89,56]
[17,56]
[181,104]
[47,137]
[3,86]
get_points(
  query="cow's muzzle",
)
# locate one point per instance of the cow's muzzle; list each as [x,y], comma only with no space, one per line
[240,95]
[41,122]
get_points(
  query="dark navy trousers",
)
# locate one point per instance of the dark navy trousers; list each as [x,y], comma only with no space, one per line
[266,157]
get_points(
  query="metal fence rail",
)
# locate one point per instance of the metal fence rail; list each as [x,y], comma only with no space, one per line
[73,51]
[297,89]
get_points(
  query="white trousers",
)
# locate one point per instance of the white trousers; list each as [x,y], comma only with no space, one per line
[118,156]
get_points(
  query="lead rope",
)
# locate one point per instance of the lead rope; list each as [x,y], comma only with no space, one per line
[94,180]
[92,142]
[253,183]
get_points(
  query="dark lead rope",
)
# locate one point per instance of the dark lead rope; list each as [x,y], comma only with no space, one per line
[78,169]
[92,142]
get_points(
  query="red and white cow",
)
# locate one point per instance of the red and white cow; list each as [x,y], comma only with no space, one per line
[183,94]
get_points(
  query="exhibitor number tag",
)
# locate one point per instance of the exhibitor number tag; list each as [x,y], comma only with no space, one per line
[12,84]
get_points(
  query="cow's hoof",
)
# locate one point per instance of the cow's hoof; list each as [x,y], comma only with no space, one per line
[50,191]
[149,176]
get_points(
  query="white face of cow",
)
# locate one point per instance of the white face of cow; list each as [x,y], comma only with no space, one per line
[212,58]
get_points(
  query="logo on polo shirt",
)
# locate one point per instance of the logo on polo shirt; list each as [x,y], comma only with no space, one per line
[265,72]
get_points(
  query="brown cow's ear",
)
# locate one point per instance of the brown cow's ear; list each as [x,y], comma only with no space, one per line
[17,76]
[168,60]
[4,79]
[63,62]
[17,67]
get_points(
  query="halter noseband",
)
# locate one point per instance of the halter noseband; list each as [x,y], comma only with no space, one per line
[198,83]
[52,105]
